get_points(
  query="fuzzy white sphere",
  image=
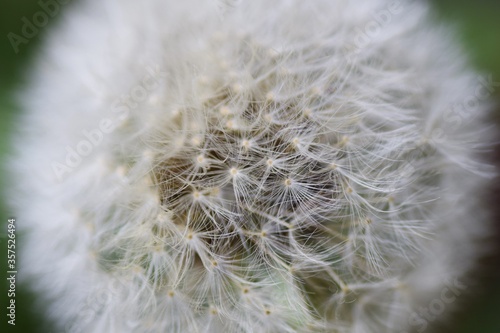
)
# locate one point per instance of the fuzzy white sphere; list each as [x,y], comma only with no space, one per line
[248,166]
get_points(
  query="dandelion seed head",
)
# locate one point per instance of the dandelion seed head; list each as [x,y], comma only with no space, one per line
[269,182]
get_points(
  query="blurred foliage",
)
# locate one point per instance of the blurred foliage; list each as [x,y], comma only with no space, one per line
[478,26]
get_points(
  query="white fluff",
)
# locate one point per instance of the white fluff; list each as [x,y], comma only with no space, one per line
[270,168]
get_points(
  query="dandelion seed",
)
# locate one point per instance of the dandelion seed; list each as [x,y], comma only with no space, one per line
[245,144]
[196,141]
[196,195]
[224,110]
[231,124]
[237,88]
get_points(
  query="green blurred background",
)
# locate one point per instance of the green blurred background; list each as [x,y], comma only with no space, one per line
[478,26]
